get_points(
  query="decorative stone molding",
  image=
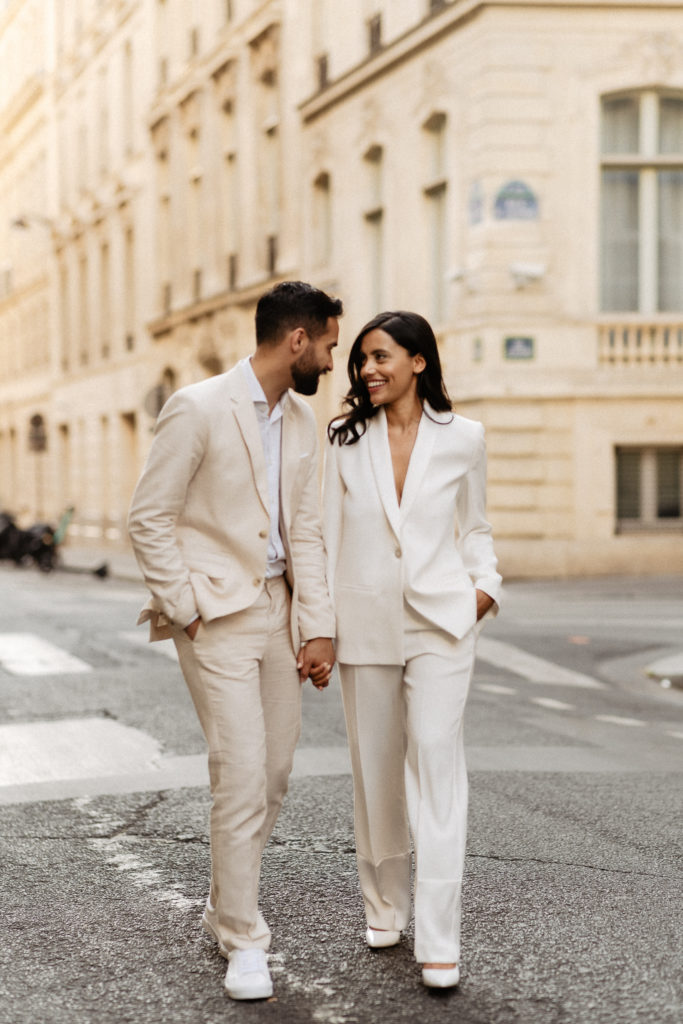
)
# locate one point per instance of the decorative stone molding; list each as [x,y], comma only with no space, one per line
[190,114]
[161,138]
[265,49]
[225,85]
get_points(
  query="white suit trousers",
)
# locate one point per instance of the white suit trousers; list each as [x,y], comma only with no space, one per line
[242,676]
[405,726]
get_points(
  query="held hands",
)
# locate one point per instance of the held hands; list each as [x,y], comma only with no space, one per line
[484,602]
[315,659]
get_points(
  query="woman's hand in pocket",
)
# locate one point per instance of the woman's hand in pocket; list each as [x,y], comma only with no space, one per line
[484,603]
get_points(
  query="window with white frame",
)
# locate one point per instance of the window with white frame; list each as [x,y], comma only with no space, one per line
[642,203]
[649,483]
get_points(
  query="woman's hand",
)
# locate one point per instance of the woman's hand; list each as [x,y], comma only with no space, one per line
[484,602]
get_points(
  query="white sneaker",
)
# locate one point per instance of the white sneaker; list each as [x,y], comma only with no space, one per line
[248,976]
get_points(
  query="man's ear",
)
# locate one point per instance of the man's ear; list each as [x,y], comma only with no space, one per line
[298,340]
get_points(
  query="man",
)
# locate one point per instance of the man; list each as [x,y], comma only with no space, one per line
[226,529]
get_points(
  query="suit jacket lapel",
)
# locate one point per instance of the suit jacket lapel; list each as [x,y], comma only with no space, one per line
[289,457]
[419,461]
[245,414]
[380,458]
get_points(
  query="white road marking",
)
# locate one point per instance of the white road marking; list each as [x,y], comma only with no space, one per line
[140,638]
[25,654]
[676,735]
[535,670]
[72,748]
[495,688]
[119,853]
[617,720]
[553,705]
[142,874]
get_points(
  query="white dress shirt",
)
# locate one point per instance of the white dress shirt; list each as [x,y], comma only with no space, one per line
[270,426]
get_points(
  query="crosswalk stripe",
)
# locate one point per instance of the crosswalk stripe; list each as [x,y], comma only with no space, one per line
[617,720]
[530,667]
[495,688]
[25,654]
[72,748]
[552,705]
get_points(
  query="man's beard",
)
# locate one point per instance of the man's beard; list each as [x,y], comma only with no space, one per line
[306,373]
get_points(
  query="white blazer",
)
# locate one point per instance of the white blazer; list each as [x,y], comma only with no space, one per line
[434,550]
[199,519]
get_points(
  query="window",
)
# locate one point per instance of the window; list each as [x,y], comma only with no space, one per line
[375,33]
[642,203]
[271,254]
[323,71]
[233,271]
[374,221]
[322,220]
[649,488]
[435,195]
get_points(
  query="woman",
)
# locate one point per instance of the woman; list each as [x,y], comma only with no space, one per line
[412,569]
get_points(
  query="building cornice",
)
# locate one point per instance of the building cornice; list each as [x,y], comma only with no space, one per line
[241,298]
[22,101]
[433,28]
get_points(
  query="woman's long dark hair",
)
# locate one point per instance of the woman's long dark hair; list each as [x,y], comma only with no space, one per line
[412,332]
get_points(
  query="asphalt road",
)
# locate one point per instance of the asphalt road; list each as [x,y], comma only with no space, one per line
[572,906]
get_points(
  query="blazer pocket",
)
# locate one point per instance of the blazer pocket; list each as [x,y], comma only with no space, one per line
[363,588]
[211,565]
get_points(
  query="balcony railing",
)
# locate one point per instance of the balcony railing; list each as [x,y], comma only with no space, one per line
[640,343]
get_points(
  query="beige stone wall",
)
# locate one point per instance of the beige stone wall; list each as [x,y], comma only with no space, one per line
[519,89]
[181,158]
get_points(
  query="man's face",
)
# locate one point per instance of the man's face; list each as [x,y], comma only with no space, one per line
[315,359]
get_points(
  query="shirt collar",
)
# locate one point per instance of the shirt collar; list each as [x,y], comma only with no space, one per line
[256,392]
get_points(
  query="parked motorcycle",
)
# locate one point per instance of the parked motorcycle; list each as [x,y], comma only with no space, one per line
[37,544]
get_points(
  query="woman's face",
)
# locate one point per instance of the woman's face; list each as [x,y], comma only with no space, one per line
[387,369]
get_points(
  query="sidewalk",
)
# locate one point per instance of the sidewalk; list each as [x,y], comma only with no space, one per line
[75,556]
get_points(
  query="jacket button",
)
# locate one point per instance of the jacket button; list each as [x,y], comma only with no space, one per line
[398,552]
[256,582]
[263,533]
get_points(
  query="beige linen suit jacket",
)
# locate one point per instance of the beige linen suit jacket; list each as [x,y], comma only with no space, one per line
[435,549]
[199,518]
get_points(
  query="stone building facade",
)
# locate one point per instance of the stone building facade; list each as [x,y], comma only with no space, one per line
[513,171]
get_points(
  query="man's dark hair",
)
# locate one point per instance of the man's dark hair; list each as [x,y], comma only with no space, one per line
[290,305]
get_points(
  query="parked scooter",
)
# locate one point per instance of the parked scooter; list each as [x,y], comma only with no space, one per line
[37,544]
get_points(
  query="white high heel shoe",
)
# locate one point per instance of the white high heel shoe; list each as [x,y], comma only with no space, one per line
[440,977]
[379,939]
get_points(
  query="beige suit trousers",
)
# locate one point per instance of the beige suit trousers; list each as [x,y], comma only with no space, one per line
[241,672]
[405,726]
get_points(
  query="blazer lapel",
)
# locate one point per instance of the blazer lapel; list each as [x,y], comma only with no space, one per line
[419,461]
[380,459]
[245,414]
[290,456]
